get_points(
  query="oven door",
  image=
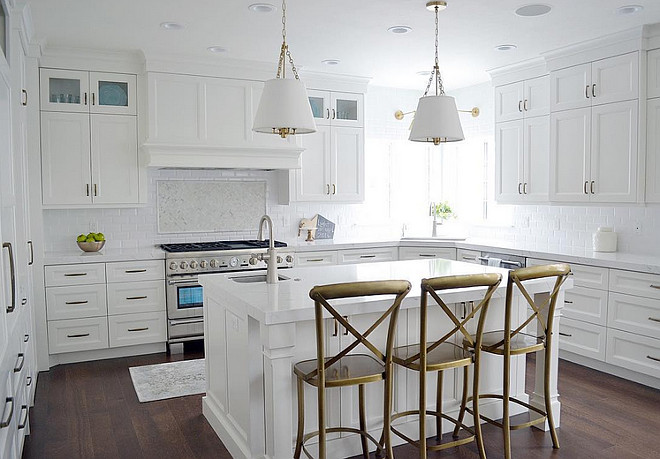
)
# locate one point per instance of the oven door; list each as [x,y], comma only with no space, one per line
[184,298]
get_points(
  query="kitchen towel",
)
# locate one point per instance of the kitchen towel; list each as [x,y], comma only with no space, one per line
[496,262]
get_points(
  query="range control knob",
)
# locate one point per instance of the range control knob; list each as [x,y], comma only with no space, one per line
[214,263]
[174,266]
[193,264]
[184,265]
[289,259]
[233,262]
[203,264]
[279,260]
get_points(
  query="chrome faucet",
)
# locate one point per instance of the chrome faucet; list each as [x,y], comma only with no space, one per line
[270,258]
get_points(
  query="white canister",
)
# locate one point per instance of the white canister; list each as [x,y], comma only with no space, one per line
[604,240]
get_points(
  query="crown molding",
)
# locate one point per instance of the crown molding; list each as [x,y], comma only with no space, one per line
[92,59]
[519,71]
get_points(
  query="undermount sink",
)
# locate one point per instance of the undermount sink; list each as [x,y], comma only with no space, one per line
[255,279]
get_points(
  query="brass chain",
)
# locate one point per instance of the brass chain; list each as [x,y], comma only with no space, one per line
[439,88]
[284,50]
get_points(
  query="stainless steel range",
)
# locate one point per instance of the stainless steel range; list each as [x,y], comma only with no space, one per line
[184,262]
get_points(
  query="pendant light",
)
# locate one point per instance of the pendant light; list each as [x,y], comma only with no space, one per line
[284,107]
[436,119]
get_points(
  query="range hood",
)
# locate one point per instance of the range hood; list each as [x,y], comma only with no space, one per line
[220,157]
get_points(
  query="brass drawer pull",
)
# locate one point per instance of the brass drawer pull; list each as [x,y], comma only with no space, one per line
[77,302]
[520,106]
[19,366]
[335,332]
[586,91]
[429,255]
[25,97]
[367,256]
[136,297]
[465,257]
[520,188]
[593,90]
[568,302]
[315,260]
[12,276]
[657,287]
[8,413]
[81,335]
[653,319]
[565,334]
[345,329]
[31,245]
[652,358]
[23,422]
[138,329]
[28,381]
[26,338]
[74,274]
[135,271]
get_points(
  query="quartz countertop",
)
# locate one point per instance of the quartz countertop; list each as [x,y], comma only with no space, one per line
[102,256]
[288,300]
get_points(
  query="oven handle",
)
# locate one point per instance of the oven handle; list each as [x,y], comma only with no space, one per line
[194,320]
[193,280]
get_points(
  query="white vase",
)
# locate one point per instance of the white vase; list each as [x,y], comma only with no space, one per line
[604,240]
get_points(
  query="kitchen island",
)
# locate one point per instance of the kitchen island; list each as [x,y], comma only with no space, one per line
[255,332]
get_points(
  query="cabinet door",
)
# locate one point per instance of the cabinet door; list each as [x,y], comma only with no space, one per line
[614,152]
[536,158]
[508,102]
[570,88]
[416,253]
[509,161]
[347,167]
[570,147]
[176,109]
[615,79]
[114,159]
[228,115]
[347,109]
[653,80]
[536,100]
[113,93]
[313,178]
[367,255]
[320,102]
[586,305]
[65,160]
[653,150]
[64,90]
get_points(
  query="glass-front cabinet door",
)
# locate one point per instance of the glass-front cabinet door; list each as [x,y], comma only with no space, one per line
[319,101]
[112,93]
[347,109]
[64,90]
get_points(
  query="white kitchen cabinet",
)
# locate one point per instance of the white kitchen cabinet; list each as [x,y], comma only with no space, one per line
[76,302]
[332,166]
[653,78]
[583,338]
[522,158]
[604,81]
[133,329]
[328,257]
[89,159]
[634,352]
[368,255]
[416,253]
[77,335]
[331,108]
[586,304]
[523,99]
[594,154]
[653,147]
[88,92]
[468,256]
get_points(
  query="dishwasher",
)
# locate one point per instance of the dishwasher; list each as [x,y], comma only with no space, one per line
[501,260]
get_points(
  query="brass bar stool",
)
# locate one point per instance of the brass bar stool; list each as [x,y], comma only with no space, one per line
[510,342]
[345,369]
[444,354]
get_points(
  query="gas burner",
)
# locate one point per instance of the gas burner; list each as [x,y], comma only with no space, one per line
[218,245]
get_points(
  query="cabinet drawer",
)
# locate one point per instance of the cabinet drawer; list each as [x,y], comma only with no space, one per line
[131,329]
[76,302]
[582,338]
[77,335]
[367,255]
[633,283]
[468,256]
[316,258]
[634,352]
[133,297]
[586,304]
[89,273]
[416,253]
[583,275]
[634,314]
[131,271]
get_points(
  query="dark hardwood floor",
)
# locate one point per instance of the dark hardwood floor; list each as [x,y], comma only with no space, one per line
[90,411]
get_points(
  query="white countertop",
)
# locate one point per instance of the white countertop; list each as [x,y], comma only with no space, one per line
[288,300]
[102,256]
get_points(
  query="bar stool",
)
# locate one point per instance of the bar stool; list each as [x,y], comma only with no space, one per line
[510,342]
[444,354]
[344,369]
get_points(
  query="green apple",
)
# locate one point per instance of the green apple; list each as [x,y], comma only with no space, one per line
[81,238]
[90,239]
[99,237]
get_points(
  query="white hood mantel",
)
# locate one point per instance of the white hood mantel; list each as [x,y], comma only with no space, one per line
[220,157]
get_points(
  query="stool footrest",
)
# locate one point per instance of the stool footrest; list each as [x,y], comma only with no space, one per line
[514,400]
[366,435]
[446,445]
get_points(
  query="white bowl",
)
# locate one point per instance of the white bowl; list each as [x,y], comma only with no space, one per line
[91,246]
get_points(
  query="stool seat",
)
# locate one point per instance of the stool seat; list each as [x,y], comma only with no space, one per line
[349,370]
[445,355]
[521,343]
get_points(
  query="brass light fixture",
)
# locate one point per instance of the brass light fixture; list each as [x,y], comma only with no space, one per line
[284,107]
[436,118]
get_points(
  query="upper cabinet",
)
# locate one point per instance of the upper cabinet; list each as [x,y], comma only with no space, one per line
[653,128]
[337,108]
[603,81]
[523,99]
[88,92]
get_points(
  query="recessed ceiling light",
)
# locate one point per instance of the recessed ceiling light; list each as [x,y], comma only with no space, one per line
[217,49]
[439,3]
[629,9]
[330,61]
[505,47]
[400,29]
[171,25]
[262,8]
[533,10]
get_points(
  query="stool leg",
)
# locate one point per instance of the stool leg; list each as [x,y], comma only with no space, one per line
[422,414]
[363,423]
[475,406]
[438,405]
[461,414]
[301,417]
[506,422]
[387,417]
[548,404]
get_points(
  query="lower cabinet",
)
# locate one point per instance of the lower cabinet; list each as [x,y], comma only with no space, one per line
[416,253]
[74,335]
[634,352]
[132,329]
[468,256]
[582,338]
[367,255]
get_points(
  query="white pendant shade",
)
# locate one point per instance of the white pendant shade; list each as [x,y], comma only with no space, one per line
[436,120]
[284,105]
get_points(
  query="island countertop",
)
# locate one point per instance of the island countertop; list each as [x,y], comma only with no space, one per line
[288,300]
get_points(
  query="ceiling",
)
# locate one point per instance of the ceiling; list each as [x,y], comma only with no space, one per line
[353,31]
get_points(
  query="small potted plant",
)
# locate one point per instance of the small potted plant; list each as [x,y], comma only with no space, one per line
[440,211]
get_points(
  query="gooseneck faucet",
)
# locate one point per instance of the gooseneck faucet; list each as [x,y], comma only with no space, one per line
[270,257]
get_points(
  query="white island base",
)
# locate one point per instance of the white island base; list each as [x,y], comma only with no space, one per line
[255,333]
